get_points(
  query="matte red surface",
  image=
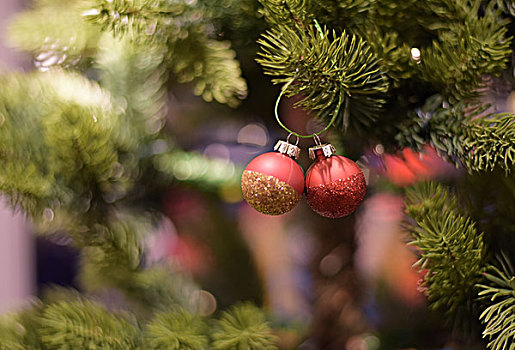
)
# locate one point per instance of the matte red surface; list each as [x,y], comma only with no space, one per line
[280,166]
[326,170]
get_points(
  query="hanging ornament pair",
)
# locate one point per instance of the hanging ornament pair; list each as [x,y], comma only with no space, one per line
[273,183]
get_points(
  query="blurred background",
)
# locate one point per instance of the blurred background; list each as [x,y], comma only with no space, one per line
[339,284]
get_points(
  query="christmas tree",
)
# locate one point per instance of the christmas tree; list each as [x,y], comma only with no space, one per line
[95,137]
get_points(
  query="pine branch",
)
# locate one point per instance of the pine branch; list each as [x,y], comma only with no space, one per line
[239,21]
[393,53]
[471,44]
[392,17]
[180,29]
[212,65]
[324,68]
[11,334]
[220,79]
[116,248]
[85,325]
[26,174]
[19,331]
[135,75]
[113,257]
[152,18]
[471,138]
[55,34]
[351,13]
[451,249]
[77,323]
[243,327]
[499,317]
[177,330]
[491,141]
[288,12]
[82,136]
[508,7]
[70,154]
[301,13]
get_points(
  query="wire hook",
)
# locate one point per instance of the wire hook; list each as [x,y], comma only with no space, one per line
[276,111]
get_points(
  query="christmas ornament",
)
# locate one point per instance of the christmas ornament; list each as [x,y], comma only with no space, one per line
[335,185]
[273,182]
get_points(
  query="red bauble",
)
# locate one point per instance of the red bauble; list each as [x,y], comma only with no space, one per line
[335,185]
[272,183]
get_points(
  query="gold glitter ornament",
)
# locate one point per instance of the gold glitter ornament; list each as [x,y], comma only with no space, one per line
[273,183]
[267,194]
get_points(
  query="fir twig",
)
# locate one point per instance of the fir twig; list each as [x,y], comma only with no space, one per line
[56,35]
[471,44]
[470,137]
[320,66]
[451,249]
[176,27]
[112,256]
[287,12]
[499,318]
[243,327]
[85,325]
[176,330]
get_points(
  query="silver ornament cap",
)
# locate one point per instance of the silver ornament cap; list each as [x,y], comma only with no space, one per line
[287,148]
[327,149]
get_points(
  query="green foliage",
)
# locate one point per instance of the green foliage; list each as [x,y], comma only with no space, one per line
[461,44]
[85,325]
[83,155]
[26,176]
[11,333]
[135,75]
[81,134]
[243,327]
[287,13]
[78,323]
[508,7]
[177,330]
[179,28]
[152,18]
[394,55]
[113,257]
[55,34]
[19,331]
[213,67]
[71,150]
[488,199]
[471,137]
[116,244]
[468,48]
[491,142]
[499,316]
[450,247]
[237,20]
[324,68]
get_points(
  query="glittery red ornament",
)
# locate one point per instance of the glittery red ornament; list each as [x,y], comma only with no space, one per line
[273,182]
[335,185]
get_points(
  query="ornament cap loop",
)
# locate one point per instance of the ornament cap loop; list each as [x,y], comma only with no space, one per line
[287,148]
[326,149]
[288,138]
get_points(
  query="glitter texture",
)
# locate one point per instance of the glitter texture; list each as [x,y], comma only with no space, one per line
[267,194]
[338,198]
